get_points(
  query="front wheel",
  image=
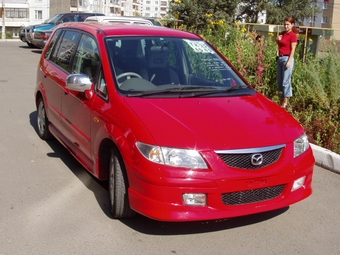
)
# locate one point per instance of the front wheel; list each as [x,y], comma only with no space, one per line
[118,188]
[31,45]
[42,121]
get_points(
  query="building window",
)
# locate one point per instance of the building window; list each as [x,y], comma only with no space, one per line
[38,14]
[324,19]
[312,19]
[325,5]
[73,3]
[20,13]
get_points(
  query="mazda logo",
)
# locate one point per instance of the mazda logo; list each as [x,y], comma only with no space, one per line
[256,159]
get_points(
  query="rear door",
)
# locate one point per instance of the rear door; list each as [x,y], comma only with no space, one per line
[56,69]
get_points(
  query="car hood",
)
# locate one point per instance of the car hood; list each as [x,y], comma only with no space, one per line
[216,123]
[44,27]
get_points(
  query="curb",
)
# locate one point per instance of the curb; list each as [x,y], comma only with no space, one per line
[326,158]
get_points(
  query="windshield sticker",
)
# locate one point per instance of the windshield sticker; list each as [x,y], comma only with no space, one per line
[199,47]
[215,64]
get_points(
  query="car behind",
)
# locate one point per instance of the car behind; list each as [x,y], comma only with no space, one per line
[167,120]
[27,33]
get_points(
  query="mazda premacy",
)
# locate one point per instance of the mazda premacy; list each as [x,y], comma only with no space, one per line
[168,121]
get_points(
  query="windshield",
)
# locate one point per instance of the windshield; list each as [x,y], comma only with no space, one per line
[158,66]
[54,19]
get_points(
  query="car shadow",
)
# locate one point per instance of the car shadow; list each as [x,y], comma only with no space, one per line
[99,188]
[39,51]
[25,47]
[141,223]
[152,227]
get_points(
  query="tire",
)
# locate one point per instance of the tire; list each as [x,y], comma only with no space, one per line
[42,121]
[118,188]
[31,45]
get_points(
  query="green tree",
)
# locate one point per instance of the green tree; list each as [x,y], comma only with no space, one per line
[249,10]
[277,10]
[197,15]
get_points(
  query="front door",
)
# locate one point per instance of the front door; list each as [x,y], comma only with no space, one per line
[76,107]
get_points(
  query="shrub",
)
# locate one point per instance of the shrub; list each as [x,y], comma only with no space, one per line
[8,35]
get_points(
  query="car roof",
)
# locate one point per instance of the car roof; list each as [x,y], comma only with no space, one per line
[91,13]
[117,29]
[118,19]
[155,20]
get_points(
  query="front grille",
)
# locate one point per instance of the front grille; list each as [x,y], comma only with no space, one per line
[252,196]
[243,160]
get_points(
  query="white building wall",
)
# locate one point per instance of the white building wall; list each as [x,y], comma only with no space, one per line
[38,10]
[152,8]
[13,19]
[316,20]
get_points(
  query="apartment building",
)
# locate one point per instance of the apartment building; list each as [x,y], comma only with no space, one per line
[329,17]
[154,8]
[21,13]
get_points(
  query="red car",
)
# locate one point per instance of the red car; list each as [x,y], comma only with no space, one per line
[178,133]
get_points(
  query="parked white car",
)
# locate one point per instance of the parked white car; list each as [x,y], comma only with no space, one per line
[119,19]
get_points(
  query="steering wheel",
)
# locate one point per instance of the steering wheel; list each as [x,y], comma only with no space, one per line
[128,76]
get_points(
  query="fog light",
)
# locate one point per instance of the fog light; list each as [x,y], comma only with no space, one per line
[298,183]
[195,199]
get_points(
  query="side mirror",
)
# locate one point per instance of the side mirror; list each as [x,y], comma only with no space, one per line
[78,82]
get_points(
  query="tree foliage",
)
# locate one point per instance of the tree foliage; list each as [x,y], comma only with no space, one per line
[278,10]
[249,10]
[198,14]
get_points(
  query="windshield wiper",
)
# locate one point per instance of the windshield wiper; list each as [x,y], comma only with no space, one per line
[187,91]
[180,89]
[219,91]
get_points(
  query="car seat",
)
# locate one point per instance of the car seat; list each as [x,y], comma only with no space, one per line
[158,71]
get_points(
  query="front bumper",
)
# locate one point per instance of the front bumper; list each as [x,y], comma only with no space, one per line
[164,201]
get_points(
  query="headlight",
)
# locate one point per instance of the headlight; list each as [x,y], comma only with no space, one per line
[172,156]
[300,145]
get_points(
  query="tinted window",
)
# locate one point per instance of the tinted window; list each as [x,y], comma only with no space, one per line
[86,59]
[67,18]
[52,45]
[65,49]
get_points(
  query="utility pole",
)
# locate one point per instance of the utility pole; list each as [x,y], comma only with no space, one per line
[3,35]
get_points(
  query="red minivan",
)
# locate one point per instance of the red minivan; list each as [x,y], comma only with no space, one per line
[178,133]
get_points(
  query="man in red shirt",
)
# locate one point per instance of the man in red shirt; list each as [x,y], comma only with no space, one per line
[286,41]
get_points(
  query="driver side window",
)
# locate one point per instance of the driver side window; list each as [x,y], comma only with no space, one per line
[86,59]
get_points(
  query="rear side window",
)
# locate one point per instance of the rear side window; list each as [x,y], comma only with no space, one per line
[65,49]
[52,45]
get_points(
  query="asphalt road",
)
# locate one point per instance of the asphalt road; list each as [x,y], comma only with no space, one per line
[50,205]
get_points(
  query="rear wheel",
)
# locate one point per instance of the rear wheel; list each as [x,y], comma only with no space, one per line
[118,188]
[42,121]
